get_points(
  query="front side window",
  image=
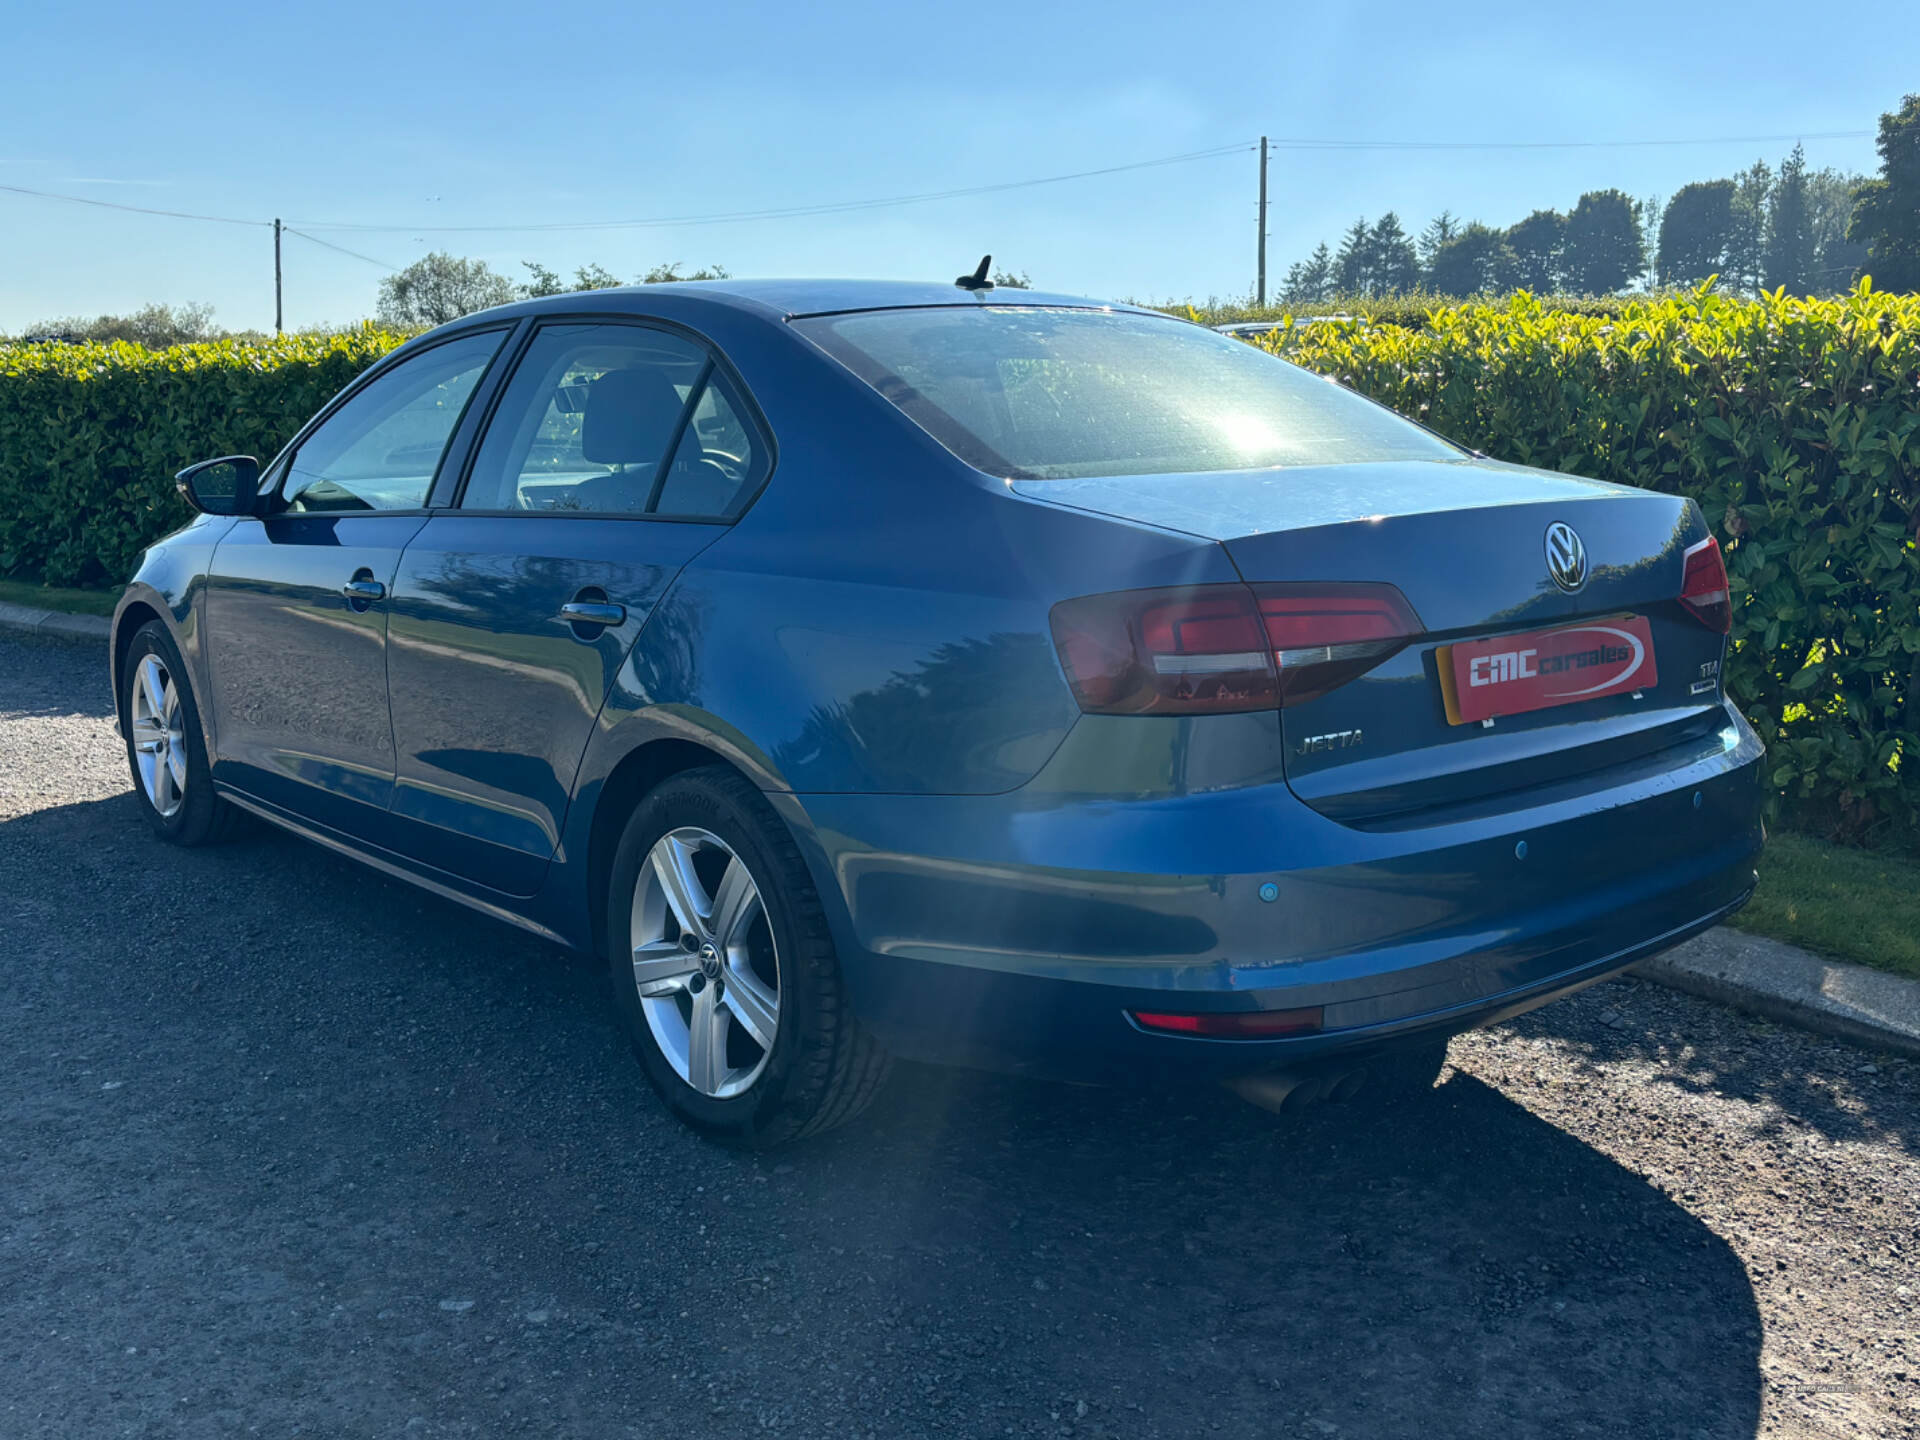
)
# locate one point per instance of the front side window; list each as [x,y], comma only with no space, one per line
[379,450]
[1055,394]
[611,419]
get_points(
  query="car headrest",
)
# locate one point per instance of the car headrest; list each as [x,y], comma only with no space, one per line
[630,415]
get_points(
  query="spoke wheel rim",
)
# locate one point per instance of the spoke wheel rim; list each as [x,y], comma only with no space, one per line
[155,728]
[706,967]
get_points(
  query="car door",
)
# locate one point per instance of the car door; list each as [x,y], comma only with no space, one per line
[296,601]
[616,452]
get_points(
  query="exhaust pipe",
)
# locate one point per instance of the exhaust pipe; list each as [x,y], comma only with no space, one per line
[1291,1091]
[1280,1091]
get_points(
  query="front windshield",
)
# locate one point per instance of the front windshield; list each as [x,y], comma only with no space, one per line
[1057,394]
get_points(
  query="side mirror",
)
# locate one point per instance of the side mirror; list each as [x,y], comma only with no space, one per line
[227,486]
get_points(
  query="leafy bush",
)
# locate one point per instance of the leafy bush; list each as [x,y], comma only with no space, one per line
[1411,311]
[1794,423]
[90,436]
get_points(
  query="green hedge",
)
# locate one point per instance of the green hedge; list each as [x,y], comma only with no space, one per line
[1794,423]
[1412,310]
[90,436]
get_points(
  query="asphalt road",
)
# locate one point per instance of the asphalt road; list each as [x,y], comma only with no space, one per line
[288,1149]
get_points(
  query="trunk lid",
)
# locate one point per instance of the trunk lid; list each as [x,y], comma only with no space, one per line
[1465,542]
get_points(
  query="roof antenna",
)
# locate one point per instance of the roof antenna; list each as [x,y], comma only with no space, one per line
[978,279]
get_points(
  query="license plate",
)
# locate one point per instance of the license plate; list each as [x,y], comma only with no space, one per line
[1513,674]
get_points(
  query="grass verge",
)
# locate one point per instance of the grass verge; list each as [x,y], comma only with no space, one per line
[1858,905]
[54,597]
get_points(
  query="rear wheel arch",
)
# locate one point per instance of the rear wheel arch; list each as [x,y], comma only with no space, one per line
[641,771]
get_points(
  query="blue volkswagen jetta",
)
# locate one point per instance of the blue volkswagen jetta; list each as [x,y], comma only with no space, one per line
[891,669]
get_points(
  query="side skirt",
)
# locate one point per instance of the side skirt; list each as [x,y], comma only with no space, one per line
[397,867]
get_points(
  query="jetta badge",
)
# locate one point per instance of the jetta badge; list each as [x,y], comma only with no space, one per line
[1566,557]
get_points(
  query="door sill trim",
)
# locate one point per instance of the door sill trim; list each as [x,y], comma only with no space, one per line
[398,867]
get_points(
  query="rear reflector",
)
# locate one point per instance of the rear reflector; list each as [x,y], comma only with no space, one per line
[1236,1024]
[1219,649]
[1703,587]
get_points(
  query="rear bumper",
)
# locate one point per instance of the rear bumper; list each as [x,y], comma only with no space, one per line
[1018,931]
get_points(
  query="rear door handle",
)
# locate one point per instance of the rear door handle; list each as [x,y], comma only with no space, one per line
[368,590]
[592,612]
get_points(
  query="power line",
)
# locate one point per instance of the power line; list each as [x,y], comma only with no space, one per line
[1297,144]
[785,212]
[135,209]
[316,240]
[790,212]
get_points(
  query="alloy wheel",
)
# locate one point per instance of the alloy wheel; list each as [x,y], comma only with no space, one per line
[704,962]
[159,740]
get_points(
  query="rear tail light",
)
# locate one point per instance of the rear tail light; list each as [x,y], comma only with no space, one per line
[1236,1024]
[1197,650]
[1220,649]
[1326,635]
[1703,588]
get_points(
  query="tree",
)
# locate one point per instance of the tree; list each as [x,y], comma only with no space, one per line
[1836,259]
[155,326]
[439,287]
[1395,263]
[1747,244]
[1310,280]
[669,274]
[1604,246]
[1442,228]
[1790,257]
[595,277]
[1537,243]
[1476,261]
[541,281]
[545,281]
[1886,212]
[1695,232]
[1649,213]
[1002,280]
[1353,266]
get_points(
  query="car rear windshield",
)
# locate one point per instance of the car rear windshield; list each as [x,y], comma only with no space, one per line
[1031,393]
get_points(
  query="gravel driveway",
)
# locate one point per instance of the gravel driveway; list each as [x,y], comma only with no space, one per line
[288,1149]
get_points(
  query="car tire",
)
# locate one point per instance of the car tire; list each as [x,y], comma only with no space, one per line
[698,1004]
[166,748]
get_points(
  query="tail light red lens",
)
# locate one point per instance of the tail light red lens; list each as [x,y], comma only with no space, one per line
[1220,649]
[1703,588]
[1197,650]
[1237,1024]
[1325,635]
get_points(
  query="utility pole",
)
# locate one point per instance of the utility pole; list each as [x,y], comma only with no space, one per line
[277,314]
[1260,286]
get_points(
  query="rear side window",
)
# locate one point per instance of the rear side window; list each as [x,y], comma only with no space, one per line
[379,450]
[1040,394]
[611,419]
[720,456]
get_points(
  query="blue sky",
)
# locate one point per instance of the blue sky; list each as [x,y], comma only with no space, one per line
[484,114]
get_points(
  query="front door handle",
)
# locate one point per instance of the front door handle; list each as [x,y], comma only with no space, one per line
[365,591]
[592,612]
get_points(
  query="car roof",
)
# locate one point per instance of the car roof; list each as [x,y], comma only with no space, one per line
[819,297]
[786,299]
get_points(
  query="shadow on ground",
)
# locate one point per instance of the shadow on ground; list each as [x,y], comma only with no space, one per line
[293,1145]
[1791,1076]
